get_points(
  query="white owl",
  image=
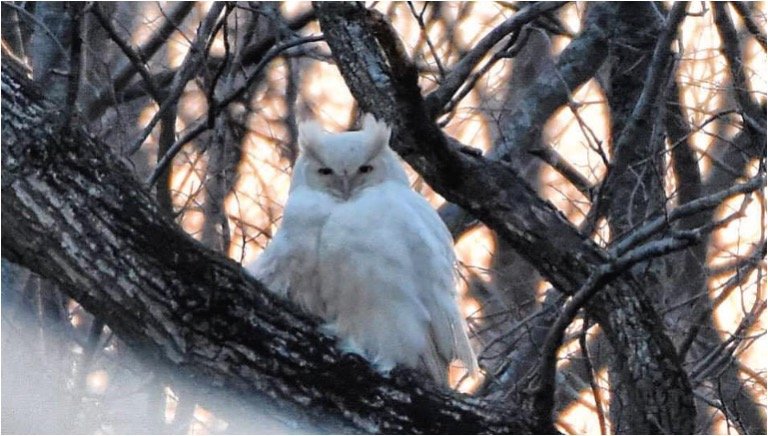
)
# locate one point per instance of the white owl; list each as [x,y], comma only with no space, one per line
[366,253]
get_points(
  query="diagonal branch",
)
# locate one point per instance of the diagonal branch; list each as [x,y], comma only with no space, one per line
[549,155]
[749,22]
[622,259]
[732,52]
[136,59]
[578,63]
[693,207]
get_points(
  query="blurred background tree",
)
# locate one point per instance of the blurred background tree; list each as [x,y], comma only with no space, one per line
[615,114]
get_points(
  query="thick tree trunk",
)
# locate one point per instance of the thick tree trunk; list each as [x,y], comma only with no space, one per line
[72,212]
[634,186]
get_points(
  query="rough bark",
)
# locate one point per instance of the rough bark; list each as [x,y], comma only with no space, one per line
[498,195]
[73,212]
[635,180]
[514,280]
[373,62]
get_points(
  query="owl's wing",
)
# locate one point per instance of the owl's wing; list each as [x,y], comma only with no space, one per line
[435,249]
[387,273]
[288,266]
[266,268]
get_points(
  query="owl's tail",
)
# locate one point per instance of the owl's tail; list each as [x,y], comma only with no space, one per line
[464,351]
[449,342]
[435,364]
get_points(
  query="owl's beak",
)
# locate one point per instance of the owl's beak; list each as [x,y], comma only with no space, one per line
[346,190]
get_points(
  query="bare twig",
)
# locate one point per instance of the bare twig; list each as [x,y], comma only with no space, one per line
[547,21]
[624,258]
[420,19]
[543,384]
[578,63]
[743,268]
[265,60]
[724,352]
[173,20]
[744,271]
[512,48]
[549,155]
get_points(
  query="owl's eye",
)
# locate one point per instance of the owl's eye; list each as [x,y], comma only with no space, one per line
[366,169]
[325,171]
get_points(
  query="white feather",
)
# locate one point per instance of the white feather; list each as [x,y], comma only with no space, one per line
[288,266]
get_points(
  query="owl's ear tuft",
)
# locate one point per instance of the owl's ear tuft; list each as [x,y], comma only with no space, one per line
[377,132]
[310,137]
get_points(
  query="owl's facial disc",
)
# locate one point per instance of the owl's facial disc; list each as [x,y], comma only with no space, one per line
[344,165]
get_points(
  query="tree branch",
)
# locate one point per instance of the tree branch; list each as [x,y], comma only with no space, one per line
[702,204]
[544,384]
[732,52]
[549,155]
[578,63]
[625,257]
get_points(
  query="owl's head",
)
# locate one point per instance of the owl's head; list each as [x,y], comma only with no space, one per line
[344,164]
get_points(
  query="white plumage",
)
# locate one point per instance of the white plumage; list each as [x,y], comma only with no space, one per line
[366,253]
